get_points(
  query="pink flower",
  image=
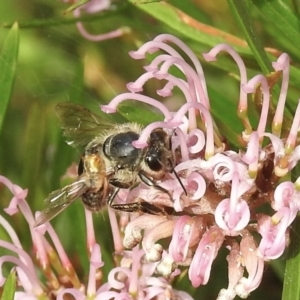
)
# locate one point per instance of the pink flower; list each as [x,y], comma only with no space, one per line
[212,198]
[132,277]
[216,197]
[92,7]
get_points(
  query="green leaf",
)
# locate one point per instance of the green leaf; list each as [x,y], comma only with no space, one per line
[228,123]
[139,113]
[35,127]
[291,284]
[71,20]
[240,10]
[285,23]
[189,27]
[9,287]
[8,63]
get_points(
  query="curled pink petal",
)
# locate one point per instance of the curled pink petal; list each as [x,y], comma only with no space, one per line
[78,295]
[224,168]
[180,241]
[283,195]
[241,217]
[114,283]
[254,266]
[205,254]
[200,141]
[273,231]
[201,185]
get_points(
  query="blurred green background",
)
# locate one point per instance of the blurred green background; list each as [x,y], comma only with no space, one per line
[56,64]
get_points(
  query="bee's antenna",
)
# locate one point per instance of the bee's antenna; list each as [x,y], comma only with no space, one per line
[178,178]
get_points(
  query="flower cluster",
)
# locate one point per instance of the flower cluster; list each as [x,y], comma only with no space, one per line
[131,278]
[225,188]
[241,200]
[92,7]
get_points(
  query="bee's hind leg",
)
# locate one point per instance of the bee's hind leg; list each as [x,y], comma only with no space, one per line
[144,207]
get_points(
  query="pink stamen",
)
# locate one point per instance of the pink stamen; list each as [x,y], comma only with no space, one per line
[111,107]
[250,87]
[282,64]
[194,83]
[100,37]
[95,263]
[291,140]
[90,231]
[32,278]
[189,53]
[59,248]
[152,47]
[11,232]
[137,255]
[183,86]
[118,245]
[251,157]
[212,56]
[183,145]
[23,256]
[137,85]
[209,149]
[93,7]
[142,141]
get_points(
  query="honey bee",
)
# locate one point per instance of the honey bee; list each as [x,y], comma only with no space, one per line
[109,163]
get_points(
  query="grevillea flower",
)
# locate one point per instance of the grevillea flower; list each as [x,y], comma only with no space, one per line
[215,204]
[93,7]
[50,274]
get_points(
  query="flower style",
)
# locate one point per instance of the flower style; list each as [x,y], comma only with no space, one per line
[224,187]
[131,278]
[92,7]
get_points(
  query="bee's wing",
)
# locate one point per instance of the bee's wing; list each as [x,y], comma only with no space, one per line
[80,125]
[58,200]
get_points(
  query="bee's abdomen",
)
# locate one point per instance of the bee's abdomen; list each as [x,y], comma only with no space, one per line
[93,201]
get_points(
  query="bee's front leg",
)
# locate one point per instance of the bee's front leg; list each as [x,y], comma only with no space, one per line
[149,181]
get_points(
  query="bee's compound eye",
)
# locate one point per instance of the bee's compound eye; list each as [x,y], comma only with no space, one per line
[153,162]
[120,147]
